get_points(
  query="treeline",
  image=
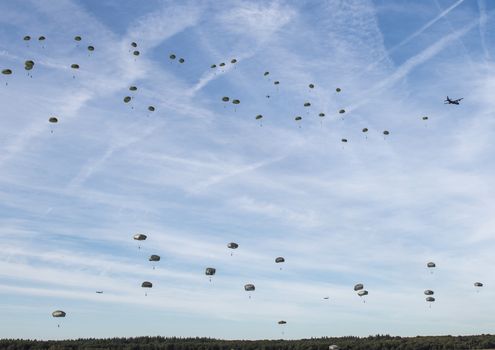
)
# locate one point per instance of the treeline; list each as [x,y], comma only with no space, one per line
[378,342]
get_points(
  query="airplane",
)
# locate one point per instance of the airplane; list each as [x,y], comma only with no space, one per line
[452,102]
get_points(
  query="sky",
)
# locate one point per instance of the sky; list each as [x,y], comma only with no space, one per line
[198,173]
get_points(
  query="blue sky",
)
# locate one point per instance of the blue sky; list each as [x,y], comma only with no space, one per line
[198,173]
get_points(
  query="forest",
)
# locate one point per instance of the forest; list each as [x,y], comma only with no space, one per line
[377,342]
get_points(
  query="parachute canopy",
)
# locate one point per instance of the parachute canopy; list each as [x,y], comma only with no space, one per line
[27,38]
[140,237]
[365,129]
[210,271]
[344,140]
[232,245]
[181,60]
[342,111]
[307,104]
[249,287]
[429,292]
[147,284]
[225,99]
[266,73]
[28,65]
[233,61]
[222,64]
[58,313]
[53,120]
[41,38]
[236,102]
[276,82]
[151,108]
[425,118]
[297,118]
[172,56]
[386,132]
[478,284]
[91,48]
[127,99]
[77,38]
[279,260]
[358,286]
[321,115]
[338,89]
[154,258]
[213,66]
[74,66]
[133,44]
[282,322]
[430,299]
[136,53]
[362,293]
[6,71]
[132,88]
[259,116]
[431,264]
[311,86]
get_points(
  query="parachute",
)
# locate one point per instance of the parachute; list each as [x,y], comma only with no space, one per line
[27,38]
[58,313]
[338,89]
[140,237]
[358,286]
[77,38]
[233,245]
[181,60]
[429,292]
[430,299]
[133,44]
[276,82]
[91,48]
[127,99]
[425,118]
[146,284]
[259,116]
[362,293]
[344,140]
[342,111]
[249,287]
[154,258]
[282,322]
[365,129]
[225,99]
[311,86]
[431,264]
[222,64]
[53,120]
[74,66]
[233,61]
[41,38]
[279,260]
[266,73]
[478,284]
[151,108]
[6,71]
[326,298]
[386,132]
[172,57]
[132,88]
[213,66]
[307,104]
[236,102]
[210,271]
[298,118]
[136,53]
[28,65]
[321,115]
